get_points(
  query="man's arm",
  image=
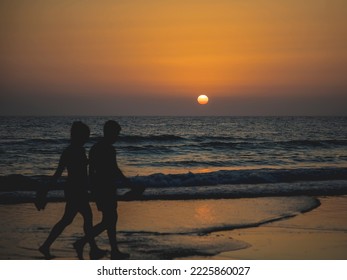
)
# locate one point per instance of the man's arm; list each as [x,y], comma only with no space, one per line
[121,177]
[135,190]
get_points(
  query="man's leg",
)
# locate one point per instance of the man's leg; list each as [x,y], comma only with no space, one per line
[111,218]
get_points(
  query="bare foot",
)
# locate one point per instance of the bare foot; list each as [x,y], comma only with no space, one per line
[97,254]
[45,251]
[78,246]
[118,255]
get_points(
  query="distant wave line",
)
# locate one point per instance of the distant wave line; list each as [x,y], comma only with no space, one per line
[221,177]
[193,141]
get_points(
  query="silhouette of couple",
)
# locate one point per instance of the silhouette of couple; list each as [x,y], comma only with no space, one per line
[103,172]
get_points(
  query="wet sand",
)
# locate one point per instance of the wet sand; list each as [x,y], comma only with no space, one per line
[196,229]
[320,234]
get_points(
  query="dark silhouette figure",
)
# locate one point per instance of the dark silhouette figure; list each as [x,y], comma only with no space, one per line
[104,172]
[74,159]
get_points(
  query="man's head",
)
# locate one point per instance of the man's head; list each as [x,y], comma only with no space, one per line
[111,131]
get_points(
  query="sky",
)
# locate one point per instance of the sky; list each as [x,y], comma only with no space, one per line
[155,57]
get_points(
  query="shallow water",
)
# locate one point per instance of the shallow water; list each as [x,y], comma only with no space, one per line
[320,234]
[149,229]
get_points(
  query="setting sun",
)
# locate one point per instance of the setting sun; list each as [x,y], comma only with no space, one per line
[203,99]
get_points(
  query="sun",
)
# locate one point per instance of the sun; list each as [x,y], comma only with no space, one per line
[203,99]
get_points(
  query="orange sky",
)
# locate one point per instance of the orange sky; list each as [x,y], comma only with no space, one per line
[164,50]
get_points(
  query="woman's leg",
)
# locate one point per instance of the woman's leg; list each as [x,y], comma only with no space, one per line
[86,212]
[69,215]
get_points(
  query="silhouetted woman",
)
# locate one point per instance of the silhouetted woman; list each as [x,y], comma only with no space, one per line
[74,159]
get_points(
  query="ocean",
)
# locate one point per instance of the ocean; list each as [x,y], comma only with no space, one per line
[195,157]
[204,177]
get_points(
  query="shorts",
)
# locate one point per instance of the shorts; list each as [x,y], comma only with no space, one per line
[106,203]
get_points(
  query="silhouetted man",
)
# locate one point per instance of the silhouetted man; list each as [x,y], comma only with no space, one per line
[104,172]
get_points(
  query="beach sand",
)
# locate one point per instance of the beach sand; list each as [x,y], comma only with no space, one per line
[193,229]
[320,234]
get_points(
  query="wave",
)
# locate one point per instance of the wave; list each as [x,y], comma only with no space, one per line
[123,140]
[321,188]
[252,176]
[149,148]
[221,177]
[232,141]
[272,144]
[315,142]
[218,184]
[170,143]
[197,141]
[152,138]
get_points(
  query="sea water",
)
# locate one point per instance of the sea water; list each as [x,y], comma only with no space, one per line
[186,155]
[275,165]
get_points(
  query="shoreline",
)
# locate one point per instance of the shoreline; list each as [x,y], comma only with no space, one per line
[160,230]
[320,234]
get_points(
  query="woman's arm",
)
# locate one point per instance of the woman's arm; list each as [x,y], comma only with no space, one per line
[61,166]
